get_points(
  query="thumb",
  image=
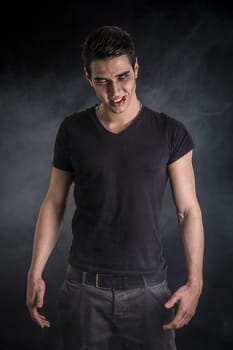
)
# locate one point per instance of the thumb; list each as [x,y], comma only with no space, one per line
[172,301]
[40,300]
[40,297]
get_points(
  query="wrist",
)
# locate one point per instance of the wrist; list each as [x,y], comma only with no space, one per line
[34,273]
[195,283]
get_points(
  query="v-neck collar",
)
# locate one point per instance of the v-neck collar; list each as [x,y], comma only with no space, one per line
[132,124]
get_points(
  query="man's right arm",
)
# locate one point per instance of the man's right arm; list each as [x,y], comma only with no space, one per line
[47,231]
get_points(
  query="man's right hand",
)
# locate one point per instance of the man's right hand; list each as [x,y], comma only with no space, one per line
[35,299]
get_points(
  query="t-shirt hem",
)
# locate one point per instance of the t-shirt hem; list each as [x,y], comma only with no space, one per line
[62,168]
[116,271]
[181,154]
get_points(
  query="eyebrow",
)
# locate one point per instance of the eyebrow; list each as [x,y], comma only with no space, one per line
[117,76]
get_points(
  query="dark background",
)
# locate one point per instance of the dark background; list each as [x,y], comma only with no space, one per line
[185,52]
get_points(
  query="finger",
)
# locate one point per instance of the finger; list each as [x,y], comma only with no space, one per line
[44,323]
[34,314]
[169,326]
[184,318]
[187,319]
[172,301]
[39,319]
[177,321]
[180,323]
[172,325]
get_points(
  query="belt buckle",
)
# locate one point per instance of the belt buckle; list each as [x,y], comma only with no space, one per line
[97,275]
[97,280]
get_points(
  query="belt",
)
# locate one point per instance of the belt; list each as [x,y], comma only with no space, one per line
[111,281]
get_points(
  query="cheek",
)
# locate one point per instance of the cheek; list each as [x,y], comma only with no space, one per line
[100,92]
[129,85]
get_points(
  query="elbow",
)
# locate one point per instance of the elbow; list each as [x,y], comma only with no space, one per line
[181,217]
[193,211]
[52,206]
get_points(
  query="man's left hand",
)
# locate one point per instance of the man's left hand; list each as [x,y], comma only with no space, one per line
[186,297]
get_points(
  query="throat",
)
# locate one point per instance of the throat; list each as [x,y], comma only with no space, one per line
[117,122]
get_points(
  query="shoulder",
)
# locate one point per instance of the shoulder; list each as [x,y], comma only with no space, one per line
[76,120]
[79,116]
[172,122]
[160,116]
[166,121]
[151,113]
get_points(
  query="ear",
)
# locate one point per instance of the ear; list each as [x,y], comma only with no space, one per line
[87,76]
[136,68]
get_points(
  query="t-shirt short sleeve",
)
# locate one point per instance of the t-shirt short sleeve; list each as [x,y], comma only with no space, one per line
[179,139]
[61,154]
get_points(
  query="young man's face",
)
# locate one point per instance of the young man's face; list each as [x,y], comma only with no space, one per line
[114,81]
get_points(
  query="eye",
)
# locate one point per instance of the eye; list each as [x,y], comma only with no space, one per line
[101,81]
[123,76]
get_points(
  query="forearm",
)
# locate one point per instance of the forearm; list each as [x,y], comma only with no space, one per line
[192,237]
[47,231]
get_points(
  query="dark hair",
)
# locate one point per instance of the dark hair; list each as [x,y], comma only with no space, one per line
[107,41]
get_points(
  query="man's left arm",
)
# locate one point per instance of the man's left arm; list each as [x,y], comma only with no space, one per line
[182,182]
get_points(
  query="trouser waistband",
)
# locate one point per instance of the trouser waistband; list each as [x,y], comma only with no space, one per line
[111,281]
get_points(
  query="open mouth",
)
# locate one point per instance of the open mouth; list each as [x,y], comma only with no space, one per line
[118,102]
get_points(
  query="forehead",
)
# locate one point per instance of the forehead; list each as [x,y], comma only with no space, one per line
[110,66]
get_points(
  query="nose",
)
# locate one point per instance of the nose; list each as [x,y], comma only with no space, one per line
[114,88]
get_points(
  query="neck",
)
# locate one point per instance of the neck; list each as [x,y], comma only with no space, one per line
[120,118]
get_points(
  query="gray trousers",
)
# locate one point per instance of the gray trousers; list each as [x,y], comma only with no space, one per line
[94,318]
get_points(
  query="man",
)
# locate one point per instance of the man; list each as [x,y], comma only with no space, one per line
[119,154]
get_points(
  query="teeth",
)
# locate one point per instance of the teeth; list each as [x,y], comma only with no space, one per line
[115,101]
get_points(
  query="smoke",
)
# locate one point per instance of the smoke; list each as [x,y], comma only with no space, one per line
[186,71]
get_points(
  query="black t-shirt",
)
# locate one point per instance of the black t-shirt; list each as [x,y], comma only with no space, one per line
[119,182]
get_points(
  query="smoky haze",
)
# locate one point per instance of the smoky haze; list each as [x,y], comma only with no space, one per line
[185,60]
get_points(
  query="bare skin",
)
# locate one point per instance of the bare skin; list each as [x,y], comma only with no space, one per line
[46,235]
[192,236]
[114,79]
